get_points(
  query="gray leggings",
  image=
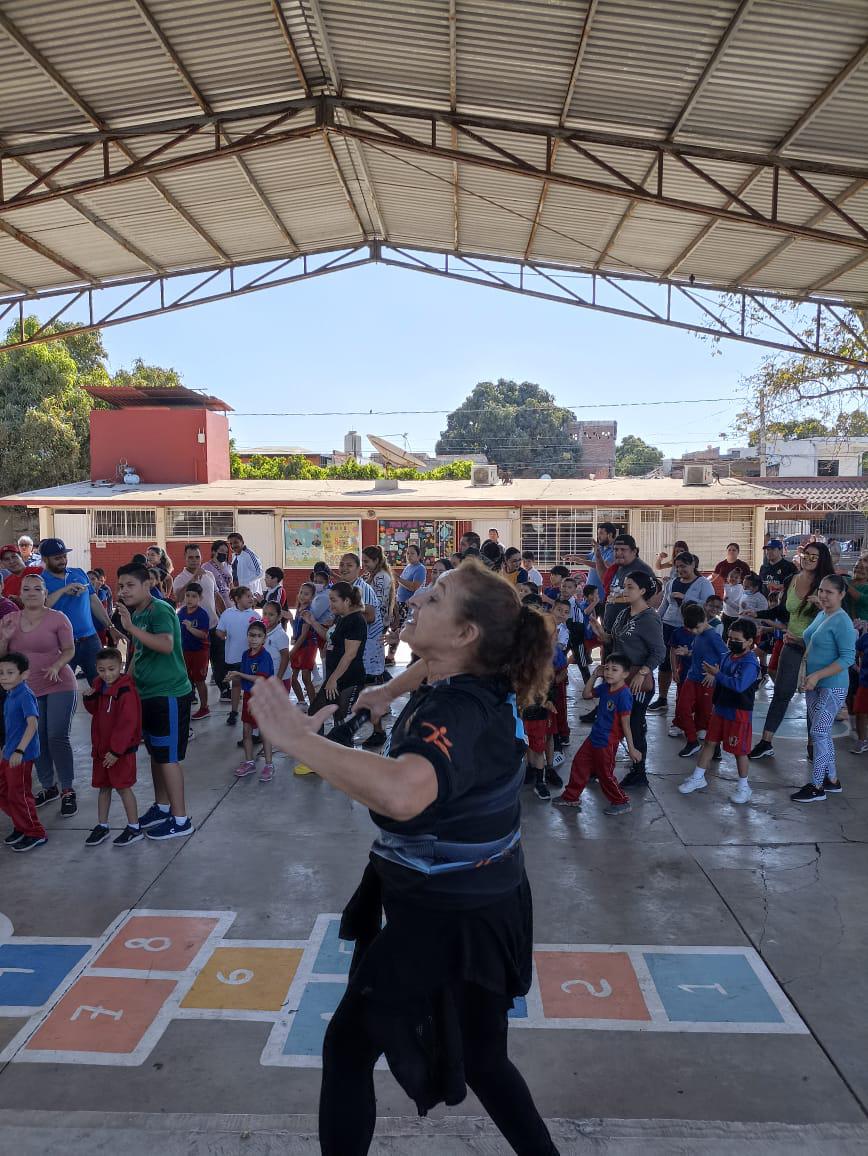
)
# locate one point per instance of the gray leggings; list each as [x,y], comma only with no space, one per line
[786,685]
[55,749]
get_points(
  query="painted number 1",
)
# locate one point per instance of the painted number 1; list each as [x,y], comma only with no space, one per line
[690,988]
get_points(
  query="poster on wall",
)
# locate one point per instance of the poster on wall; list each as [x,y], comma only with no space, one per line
[435,539]
[309,540]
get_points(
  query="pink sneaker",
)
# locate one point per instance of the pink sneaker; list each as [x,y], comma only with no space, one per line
[267,773]
[248,767]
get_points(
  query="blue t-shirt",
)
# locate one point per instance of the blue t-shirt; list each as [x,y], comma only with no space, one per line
[862,652]
[260,664]
[20,705]
[606,730]
[681,636]
[414,572]
[77,609]
[594,578]
[707,647]
[199,618]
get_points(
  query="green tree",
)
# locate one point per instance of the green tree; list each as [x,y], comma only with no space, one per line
[143,376]
[518,425]
[634,457]
[297,467]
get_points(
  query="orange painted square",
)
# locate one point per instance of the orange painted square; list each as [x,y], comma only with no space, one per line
[139,1001]
[185,935]
[624,1000]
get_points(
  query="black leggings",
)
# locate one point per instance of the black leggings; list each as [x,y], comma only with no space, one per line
[345,700]
[639,726]
[348,1106]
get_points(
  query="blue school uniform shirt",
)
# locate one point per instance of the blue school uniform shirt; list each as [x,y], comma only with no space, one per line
[707,647]
[199,618]
[681,636]
[606,730]
[19,706]
[260,664]
[862,651]
[76,608]
[738,672]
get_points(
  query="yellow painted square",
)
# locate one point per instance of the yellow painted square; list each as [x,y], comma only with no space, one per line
[244,979]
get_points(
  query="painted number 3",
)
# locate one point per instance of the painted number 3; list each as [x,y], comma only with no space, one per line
[154,943]
[237,977]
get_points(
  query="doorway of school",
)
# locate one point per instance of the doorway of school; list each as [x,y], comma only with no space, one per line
[506,529]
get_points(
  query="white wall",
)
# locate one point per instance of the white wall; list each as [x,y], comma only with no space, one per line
[798,459]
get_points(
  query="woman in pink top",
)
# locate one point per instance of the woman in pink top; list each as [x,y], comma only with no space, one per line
[45,637]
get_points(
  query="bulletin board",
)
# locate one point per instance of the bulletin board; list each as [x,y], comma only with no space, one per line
[309,540]
[435,539]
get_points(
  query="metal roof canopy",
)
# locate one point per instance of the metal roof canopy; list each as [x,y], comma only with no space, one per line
[713,146]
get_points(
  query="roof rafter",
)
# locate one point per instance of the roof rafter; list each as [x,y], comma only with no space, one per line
[816,106]
[50,254]
[581,48]
[453,107]
[676,126]
[203,102]
[90,114]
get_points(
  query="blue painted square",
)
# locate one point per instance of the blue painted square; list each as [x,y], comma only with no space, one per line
[318,1003]
[31,973]
[710,988]
[518,1011]
[334,955]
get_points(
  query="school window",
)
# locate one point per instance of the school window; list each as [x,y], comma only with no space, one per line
[554,534]
[827,467]
[707,530]
[193,524]
[110,525]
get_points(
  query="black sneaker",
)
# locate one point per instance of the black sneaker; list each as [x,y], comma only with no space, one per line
[225,694]
[98,835]
[832,786]
[128,835]
[68,805]
[809,794]
[47,796]
[718,754]
[13,837]
[153,817]
[541,790]
[588,718]
[635,778]
[29,842]
[762,750]
[232,718]
[375,740]
[553,778]
[690,749]
[658,706]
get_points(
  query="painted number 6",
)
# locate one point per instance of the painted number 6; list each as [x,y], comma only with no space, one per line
[237,977]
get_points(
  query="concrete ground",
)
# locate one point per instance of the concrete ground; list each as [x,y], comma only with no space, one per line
[679,872]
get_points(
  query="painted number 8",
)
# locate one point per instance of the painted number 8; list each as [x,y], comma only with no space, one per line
[154,943]
[237,977]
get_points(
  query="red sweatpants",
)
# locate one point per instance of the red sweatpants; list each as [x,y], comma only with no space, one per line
[693,708]
[599,761]
[16,798]
[560,701]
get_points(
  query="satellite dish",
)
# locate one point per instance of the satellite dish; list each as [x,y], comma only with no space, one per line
[545,477]
[394,456]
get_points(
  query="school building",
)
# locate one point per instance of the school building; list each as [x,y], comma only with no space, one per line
[172,446]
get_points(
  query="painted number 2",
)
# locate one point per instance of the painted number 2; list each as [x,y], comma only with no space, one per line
[604,991]
[237,977]
[154,943]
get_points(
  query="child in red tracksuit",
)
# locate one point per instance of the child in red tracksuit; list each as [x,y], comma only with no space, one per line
[596,755]
[20,748]
[116,732]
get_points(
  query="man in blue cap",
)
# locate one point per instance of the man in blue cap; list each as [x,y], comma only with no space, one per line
[70,592]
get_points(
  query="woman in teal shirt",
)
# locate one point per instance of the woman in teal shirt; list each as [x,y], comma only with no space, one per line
[831,651]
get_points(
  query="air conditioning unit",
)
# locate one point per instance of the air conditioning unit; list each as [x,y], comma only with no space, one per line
[483,476]
[698,475]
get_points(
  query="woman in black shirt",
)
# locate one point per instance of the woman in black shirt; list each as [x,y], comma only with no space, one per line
[432,988]
[345,647]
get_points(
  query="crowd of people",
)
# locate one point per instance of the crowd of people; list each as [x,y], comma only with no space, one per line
[633,631]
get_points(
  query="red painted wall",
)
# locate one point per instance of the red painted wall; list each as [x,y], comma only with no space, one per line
[161,442]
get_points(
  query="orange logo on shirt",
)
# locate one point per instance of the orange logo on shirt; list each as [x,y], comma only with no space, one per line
[437,736]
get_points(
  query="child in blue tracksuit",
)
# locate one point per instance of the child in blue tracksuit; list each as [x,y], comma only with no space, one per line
[734,680]
[20,750]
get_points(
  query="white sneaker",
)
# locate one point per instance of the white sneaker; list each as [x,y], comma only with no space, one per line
[742,793]
[693,782]
[558,759]
[674,732]
[860,748]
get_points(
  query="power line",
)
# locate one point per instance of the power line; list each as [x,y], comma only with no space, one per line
[482,409]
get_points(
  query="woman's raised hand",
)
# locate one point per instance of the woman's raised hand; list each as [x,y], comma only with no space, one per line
[282,723]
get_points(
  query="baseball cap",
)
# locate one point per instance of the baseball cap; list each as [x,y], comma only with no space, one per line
[774,544]
[48,547]
[11,548]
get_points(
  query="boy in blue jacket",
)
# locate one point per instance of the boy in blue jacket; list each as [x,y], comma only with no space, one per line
[734,681]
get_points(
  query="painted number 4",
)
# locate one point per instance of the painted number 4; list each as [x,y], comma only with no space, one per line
[604,990]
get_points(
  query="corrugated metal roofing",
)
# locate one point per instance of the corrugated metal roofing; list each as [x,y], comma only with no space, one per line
[750,75]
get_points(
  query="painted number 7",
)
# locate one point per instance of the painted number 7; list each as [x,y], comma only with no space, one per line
[605,987]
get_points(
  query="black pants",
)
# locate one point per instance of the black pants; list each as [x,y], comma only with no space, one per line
[345,700]
[639,727]
[348,1106]
[218,659]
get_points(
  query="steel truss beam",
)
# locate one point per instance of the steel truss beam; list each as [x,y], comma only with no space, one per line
[632,296]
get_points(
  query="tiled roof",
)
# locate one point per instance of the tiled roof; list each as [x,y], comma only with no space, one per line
[819,493]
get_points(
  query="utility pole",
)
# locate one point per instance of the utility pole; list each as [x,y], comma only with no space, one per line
[761,438]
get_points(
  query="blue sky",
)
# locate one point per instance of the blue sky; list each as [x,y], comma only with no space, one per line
[386,339]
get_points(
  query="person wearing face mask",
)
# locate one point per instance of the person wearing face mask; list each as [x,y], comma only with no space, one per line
[734,680]
[220,570]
